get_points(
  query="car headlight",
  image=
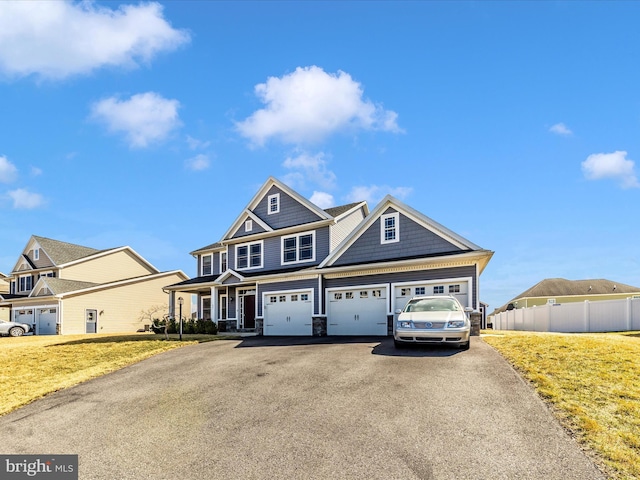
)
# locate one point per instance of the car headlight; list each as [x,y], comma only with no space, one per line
[455,324]
[404,324]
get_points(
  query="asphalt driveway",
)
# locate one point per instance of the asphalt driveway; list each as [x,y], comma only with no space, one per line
[303,408]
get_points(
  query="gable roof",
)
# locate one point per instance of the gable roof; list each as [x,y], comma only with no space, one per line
[421,219]
[63,252]
[342,209]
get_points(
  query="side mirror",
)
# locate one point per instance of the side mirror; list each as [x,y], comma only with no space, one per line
[468,309]
[398,311]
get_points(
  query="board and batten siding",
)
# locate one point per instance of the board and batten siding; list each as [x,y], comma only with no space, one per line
[431,275]
[119,308]
[292,213]
[308,283]
[414,240]
[108,268]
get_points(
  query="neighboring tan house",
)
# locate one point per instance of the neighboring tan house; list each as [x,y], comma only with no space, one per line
[62,288]
[287,267]
[4,288]
[560,290]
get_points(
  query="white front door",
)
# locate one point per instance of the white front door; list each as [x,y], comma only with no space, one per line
[288,313]
[357,311]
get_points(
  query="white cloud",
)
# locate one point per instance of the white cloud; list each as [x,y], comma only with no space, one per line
[195,144]
[24,199]
[62,38]
[322,199]
[611,165]
[8,171]
[374,193]
[144,118]
[198,163]
[309,168]
[36,172]
[309,104]
[560,129]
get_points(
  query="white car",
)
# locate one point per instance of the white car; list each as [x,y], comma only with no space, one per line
[13,329]
[437,319]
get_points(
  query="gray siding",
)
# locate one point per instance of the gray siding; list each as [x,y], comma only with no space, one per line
[272,257]
[291,212]
[415,240]
[311,283]
[241,232]
[413,276]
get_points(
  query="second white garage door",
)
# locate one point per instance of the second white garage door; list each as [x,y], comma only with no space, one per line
[288,313]
[357,311]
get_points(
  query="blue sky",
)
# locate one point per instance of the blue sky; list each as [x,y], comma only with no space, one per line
[515,124]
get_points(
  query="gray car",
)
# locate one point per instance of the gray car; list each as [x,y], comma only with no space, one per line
[437,319]
[13,329]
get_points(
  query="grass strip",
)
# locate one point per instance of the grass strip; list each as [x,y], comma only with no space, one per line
[593,383]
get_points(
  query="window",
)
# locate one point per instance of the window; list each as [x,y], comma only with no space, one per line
[222,308]
[46,274]
[36,254]
[273,299]
[248,225]
[299,248]
[389,228]
[420,290]
[304,297]
[25,284]
[273,203]
[282,298]
[454,288]
[207,261]
[249,255]
[294,298]
[348,295]
[405,291]
[223,262]
[377,293]
[206,308]
[438,289]
[364,294]
[337,296]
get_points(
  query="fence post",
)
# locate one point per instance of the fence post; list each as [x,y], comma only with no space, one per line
[587,317]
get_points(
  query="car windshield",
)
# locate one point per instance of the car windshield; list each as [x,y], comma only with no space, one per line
[432,305]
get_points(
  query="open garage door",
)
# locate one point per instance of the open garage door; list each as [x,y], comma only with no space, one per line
[357,311]
[288,313]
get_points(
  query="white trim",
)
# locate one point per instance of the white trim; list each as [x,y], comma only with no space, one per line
[248,225]
[248,245]
[297,237]
[276,197]
[396,228]
[201,309]
[299,291]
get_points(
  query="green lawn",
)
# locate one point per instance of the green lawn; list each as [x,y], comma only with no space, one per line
[34,366]
[593,383]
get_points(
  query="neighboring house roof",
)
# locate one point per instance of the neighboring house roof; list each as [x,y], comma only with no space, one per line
[60,285]
[337,211]
[561,287]
[63,252]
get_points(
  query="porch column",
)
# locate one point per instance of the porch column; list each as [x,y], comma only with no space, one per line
[214,304]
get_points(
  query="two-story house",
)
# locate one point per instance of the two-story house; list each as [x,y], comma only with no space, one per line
[4,288]
[62,288]
[288,267]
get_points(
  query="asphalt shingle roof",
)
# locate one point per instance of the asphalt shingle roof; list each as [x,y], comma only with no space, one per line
[63,252]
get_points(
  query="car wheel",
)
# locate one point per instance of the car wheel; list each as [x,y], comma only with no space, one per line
[16,331]
[465,345]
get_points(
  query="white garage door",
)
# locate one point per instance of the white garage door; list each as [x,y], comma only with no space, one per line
[288,313]
[404,293]
[24,316]
[357,311]
[46,321]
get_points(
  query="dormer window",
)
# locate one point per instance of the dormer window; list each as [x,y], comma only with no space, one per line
[390,228]
[274,203]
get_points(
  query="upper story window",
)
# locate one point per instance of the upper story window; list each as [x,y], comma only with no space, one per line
[207,264]
[299,248]
[248,225]
[273,203]
[24,284]
[46,274]
[390,228]
[36,254]
[249,255]
[223,262]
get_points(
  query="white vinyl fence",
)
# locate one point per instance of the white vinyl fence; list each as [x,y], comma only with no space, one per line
[600,316]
